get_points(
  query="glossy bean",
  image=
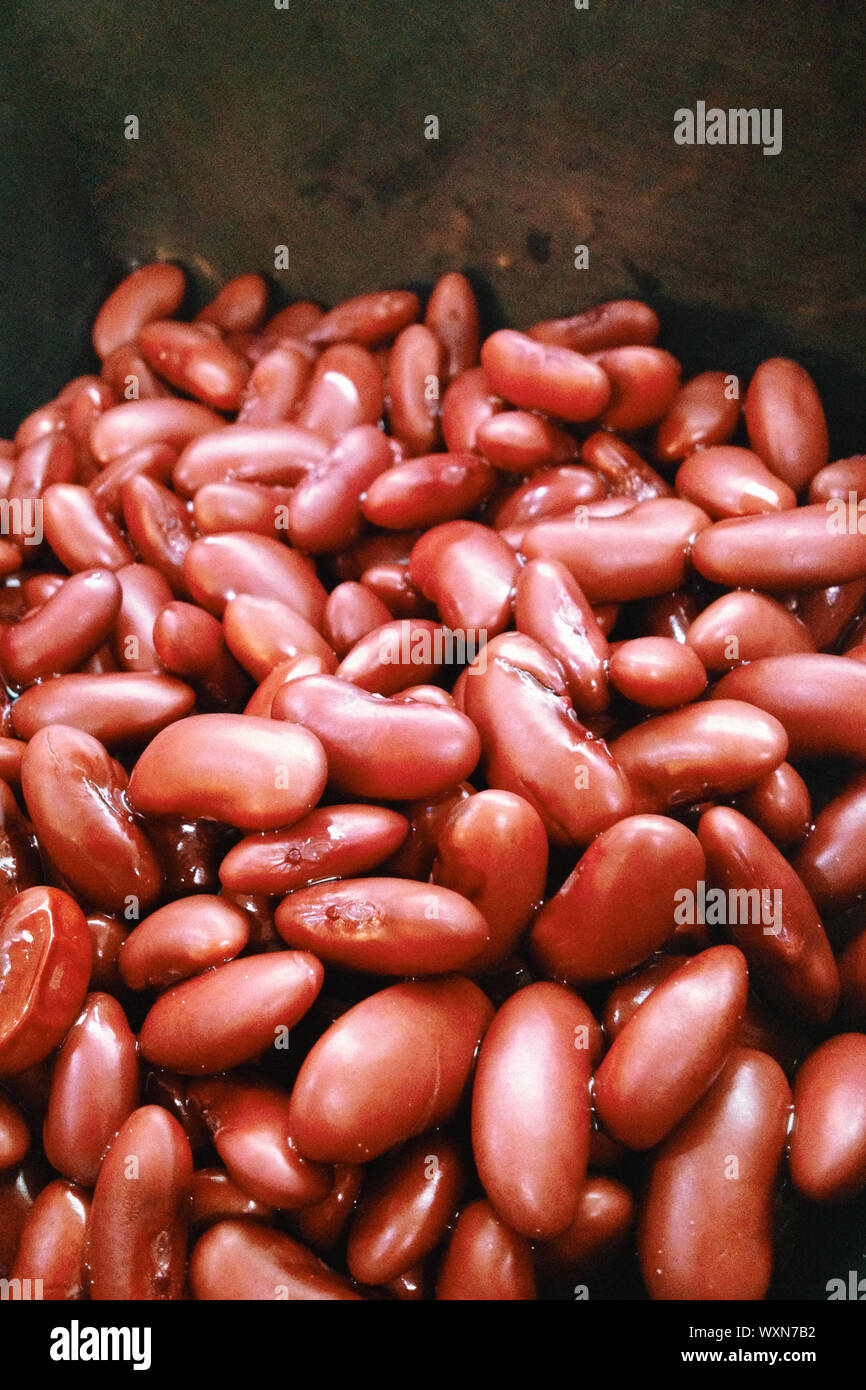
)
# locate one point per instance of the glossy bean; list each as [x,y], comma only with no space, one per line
[180,940]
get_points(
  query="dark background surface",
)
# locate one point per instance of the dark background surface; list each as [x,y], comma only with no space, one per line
[306,127]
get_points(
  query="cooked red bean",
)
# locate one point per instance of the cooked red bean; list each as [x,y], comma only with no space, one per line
[217,568]
[806,547]
[239,1260]
[75,795]
[469,573]
[138,423]
[145,592]
[398,652]
[768,913]
[704,412]
[623,470]
[550,607]
[14,1134]
[706,1229]
[728,482]
[368,318]
[552,492]
[331,842]
[786,422]
[343,1114]
[828,1140]
[240,305]
[115,707]
[700,751]
[325,511]
[322,1225]
[643,383]
[81,535]
[516,441]
[639,553]
[53,1242]
[672,1048]
[293,669]
[182,939]
[602,1223]
[127,374]
[657,672]
[195,361]
[351,612]
[159,526]
[415,370]
[839,478]
[616,323]
[832,863]
[271,454]
[469,401]
[820,701]
[151,292]
[542,376]
[62,632]
[94,1088]
[427,491]
[589,929]
[376,747]
[780,805]
[827,613]
[345,391]
[241,507]
[485,1260]
[153,460]
[452,314]
[628,995]
[137,1232]
[217,1197]
[260,632]
[742,626]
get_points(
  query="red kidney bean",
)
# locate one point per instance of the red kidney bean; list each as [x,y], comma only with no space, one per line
[240,1260]
[550,607]
[469,573]
[415,369]
[45,953]
[427,816]
[136,1245]
[154,461]
[730,482]
[780,550]
[828,612]
[14,1134]
[217,568]
[602,1223]
[341,1114]
[656,537]
[231,1013]
[217,1197]
[278,455]
[428,491]
[351,612]
[384,926]
[151,292]
[276,384]
[785,421]
[376,747]
[240,306]
[852,977]
[743,626]
[468,402]
[820,700]
[115,707]
[531,1110]
[331,842]
[46,462]
[64,631]
[53,1242]
[296,320]
[673,1048]
[781,937]
[832,863]
[616,323]
[195,361]
[294,669]
[589,930]
[242,507]
[81,535]
[552,492]
[703,413]
[159,526]
[839,479]
[127,374]
[11,752]
[534,745]
[345,391]
[405,1209]
[542,376]
[257,774]
[780,805]
[325,511]
[181,940]
[397,652]
[94,1089]
[372,550]
[322,1225]
[492,848]
[106,936]
[643,383]
[704,750]
[623,471]
[828,1140]
[260,632]
[145,593]
[516,441]
[485,1260]
[138,423]
[369,319]
[75,796]
[706,1229]
[452,315]
[628,995]
[657,672]
[392,585]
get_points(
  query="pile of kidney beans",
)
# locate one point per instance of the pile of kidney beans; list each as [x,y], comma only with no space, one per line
[433,845]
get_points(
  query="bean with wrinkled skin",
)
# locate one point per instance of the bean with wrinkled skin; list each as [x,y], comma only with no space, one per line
[703,1235]
[412,1047]
[195,361]
[271,454]
[180,940]
[624,472]
[428,490]
[135,424]
[351,612]
[703,750]
[784,942]
[53,1242]
[589,930]
[516,441]
[640,553]
[345,391]
[136,1246]
[65,630]
[832,862]
[384,926]
[828,1140]
[672,1049]
[217,568]
[331,842]
[785,421]
[239,1260]
[159,526]
[550,607]
[531,1110]
[94,1089]
[703,413]
[375,747]
[369,319]
[325,511]
[742,626]
[469,573]
[152,291]
[230,1013]
[117,707]
[485,1260]
[780,805]
[615,323]
[260,632]
[542,376]
[657,672]
[820,700]
[405,1209]
[728,482]
[256,774]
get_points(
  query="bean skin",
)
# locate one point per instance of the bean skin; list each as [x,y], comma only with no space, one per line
[217,568]
[331,842]
[428,490]
[81,535]
[531,1110]
[278,455]
[152,291]
[412,1047]
[14,1134]
[623,470]
[601,1226]
[260,632]
[588,930]
[628,994]
[706,1227]
[820,701]
[780,551]
[742,626]
[452,315]
[828,1140]
[62,632]
[703,413]
[137,1237]
[672,1048]
[643,383]
[551,607]
[136,424]
[839,478]
[182,939]
[385,926]
[657,672]
[94,1088]
[237,1260]
[469,573]
[832,863]
[616,323]
[485,1260]
[785,421]
[325,511]
[53,1242]
[257,774]
[415,368]
[229,1014]
[144,593]
[542,376]
[728,482]
[115,707]
[369,319]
